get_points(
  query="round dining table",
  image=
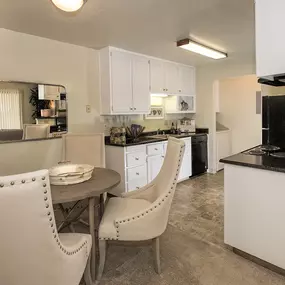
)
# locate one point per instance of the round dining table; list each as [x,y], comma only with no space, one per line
[102,181]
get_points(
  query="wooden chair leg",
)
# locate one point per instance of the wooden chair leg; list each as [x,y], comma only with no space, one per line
[102,251]
[156,253]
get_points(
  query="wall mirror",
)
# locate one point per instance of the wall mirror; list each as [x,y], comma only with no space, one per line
[30,111]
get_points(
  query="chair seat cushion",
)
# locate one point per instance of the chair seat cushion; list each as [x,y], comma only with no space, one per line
[119,208]
[72,240]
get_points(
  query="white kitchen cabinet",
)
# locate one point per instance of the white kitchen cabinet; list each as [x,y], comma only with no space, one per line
[141,84]
[270,45]
[223,146]
[187,80]
[157,81]
[122,92]
[125,82]
[139,165]
[171,77]
[186,166]
[154,164]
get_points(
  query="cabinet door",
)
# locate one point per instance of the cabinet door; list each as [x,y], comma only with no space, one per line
[186,166]
[141,85]
[171,78]
[187,78]
[121,81]
[269,18]
[154,164]
[157,76]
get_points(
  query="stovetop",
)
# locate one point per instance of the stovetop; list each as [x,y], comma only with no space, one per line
[266,151]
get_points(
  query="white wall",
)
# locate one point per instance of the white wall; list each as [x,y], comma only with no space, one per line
[34,59]
[29,156]
[206,114]
[238,111]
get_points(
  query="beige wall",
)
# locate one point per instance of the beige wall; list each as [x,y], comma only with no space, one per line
[28,156]
[206,114]
[34,59]
[238,111]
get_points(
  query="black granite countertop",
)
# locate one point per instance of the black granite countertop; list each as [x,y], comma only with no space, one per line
[265,162]
[147,138]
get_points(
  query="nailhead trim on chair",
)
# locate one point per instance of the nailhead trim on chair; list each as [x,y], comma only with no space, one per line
[155,206]
[52,225]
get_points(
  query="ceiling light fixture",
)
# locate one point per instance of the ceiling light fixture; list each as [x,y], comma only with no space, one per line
[69,5]
[201,49]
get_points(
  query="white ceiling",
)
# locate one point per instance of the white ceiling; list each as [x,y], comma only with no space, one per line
[146,26]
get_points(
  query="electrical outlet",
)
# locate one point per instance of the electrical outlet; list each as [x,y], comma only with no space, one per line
[88,109]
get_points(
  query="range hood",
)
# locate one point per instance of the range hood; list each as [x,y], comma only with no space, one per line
[274,80]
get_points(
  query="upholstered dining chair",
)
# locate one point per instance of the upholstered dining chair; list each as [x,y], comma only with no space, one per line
[84,149]
[33,131]
[143,214]
[31,250]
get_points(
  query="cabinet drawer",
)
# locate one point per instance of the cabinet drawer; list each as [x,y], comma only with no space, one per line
[136,148]
[137,173]
[136,184]
[136,159]
[154,149]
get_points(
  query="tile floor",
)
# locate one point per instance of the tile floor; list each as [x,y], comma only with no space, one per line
[192,248]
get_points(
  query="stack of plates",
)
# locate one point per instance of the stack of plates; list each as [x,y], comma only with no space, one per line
[68,174]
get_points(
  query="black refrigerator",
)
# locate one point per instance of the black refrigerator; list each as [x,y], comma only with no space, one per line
[273,120]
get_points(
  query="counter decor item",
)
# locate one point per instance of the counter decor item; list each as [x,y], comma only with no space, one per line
[134,132]
[155,113]
[118,135]
[68,174]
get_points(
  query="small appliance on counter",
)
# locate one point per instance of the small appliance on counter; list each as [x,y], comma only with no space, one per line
[186,125]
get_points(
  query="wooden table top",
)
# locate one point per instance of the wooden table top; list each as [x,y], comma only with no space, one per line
[101,181]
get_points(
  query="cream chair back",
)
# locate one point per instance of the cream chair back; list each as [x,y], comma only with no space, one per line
[30,250]
[166,181]
[32,131]
[84,149]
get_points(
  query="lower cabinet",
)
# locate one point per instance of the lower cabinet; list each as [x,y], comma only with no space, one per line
[154,164]
[139,165]
[186,166]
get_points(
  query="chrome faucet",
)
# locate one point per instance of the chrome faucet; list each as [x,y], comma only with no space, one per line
[157,132]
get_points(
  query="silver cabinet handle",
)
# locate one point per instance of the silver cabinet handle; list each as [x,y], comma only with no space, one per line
[131,108]
[156,149]
[137,173]
[137,158]
[180,90]
[135,108]
[137,188]
[163,156]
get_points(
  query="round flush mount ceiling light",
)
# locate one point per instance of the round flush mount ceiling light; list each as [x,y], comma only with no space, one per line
[69,5]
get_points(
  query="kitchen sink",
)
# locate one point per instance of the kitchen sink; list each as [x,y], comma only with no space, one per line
[169,135]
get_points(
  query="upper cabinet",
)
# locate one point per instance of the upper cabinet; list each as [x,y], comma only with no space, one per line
[187,80]
[125,83]
[157,81]
[270,45]
[141,84]
[171,78]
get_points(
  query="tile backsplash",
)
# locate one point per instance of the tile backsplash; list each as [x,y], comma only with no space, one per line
[149,124]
